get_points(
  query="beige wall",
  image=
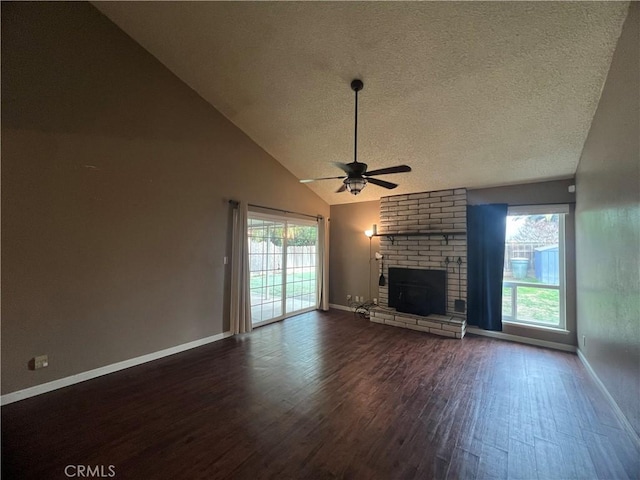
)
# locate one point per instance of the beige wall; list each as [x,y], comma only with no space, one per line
[536,194]
[349,261]
[608,230]
[115,186]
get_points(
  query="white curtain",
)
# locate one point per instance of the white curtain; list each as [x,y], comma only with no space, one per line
[240,293]
[323,265]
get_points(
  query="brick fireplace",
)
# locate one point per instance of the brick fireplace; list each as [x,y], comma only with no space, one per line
[426,231]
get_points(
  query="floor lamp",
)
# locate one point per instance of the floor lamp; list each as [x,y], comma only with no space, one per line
[370,234]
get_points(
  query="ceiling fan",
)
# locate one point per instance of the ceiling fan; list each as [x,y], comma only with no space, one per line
[357,174]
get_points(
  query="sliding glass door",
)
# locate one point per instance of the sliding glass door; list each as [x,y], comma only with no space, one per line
[266,237]
[283,264]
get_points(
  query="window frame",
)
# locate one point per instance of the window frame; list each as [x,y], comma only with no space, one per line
[563,211]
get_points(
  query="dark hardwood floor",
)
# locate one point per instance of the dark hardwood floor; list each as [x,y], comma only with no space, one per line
[327,395]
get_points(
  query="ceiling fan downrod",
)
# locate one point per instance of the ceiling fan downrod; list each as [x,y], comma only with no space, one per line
[356,86]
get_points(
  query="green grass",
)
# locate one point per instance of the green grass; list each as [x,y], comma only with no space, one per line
[273,284]
[540,305]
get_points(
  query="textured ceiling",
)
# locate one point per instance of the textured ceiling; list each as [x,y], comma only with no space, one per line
[469,94]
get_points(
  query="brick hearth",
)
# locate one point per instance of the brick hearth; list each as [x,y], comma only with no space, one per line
[444,325]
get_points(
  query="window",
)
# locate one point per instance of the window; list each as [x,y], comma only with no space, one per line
[533,287]
[282,267]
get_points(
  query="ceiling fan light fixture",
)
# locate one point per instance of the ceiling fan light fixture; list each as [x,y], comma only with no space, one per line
[355,185]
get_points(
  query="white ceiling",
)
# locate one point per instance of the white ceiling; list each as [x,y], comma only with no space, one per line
[469,94]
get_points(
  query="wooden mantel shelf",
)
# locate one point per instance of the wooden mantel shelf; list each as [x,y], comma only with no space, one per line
[445,234]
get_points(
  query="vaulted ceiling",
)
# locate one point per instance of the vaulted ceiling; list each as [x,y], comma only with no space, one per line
[469,94]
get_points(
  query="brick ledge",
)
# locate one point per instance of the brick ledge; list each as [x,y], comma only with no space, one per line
[443,325]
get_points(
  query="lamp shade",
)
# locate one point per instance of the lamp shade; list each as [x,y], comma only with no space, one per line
[355,185]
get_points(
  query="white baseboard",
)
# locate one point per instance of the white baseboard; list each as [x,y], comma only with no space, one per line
[519,339]
[621,416]
[340,307]
[98,372]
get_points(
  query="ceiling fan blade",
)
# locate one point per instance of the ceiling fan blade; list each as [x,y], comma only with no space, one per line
[309,180]
[383,171]
[382,183]
[342,188]
[345,167]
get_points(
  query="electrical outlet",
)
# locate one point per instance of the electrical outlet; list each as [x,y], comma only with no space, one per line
[39,362]
[375,301]
[348,298]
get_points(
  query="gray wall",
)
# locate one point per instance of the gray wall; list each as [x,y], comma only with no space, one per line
[116,180]
[608,230]
[524,194]
[349,260]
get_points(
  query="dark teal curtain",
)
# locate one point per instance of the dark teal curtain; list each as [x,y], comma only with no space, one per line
[486,228]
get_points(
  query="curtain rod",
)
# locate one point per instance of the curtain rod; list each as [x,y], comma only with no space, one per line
[235,203]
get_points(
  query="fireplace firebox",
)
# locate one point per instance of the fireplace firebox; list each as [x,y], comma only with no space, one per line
[421,292]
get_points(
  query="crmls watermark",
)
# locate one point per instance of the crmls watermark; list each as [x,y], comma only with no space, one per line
[89,471]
